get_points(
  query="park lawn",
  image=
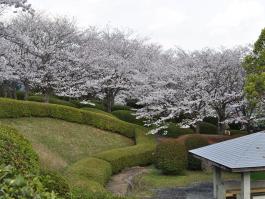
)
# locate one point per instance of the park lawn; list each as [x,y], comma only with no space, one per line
[60,143]
[153,179]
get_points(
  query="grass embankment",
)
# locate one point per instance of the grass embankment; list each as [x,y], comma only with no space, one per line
[60,143]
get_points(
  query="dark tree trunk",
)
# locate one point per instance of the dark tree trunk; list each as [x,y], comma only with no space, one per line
[197,128]
[221,125]
[26,91]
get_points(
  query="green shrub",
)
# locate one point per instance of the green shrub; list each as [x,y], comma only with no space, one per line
[20,95]
[171,157]
[174,131]
[211,120]
[94,110]
[52,100]
[54,182]
[15,150]
[235,126]
[193,142]
[15,185]
[140,154]
[91,169]
[127,116]
[117,107]
[207,128]
[238,132]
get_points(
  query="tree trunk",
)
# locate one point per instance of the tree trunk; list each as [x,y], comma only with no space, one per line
[26,91]
[221,125]
[197,129]
[14,93]
[46,97]
[109,100]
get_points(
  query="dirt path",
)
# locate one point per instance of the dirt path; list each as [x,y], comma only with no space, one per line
[122,182]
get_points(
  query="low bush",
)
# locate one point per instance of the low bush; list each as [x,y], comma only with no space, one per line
[20,95]
[15,150]
[171,157]
[89,169]
[14,185]
[193,142]
[127,116]
[54,182]
[52,100]
[207,128]
[235,126]
[117,107]
[238,132]
[139,154]
[211,120]
[97,111]
[174,131]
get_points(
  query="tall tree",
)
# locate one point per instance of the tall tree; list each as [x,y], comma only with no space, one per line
[254,65]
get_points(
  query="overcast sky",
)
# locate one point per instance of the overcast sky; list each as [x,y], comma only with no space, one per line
[190,24]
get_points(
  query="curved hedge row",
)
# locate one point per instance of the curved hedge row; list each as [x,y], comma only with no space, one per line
[15,150]
[98,169]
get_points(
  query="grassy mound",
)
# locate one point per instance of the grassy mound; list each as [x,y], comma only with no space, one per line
[60,143]
[139,154]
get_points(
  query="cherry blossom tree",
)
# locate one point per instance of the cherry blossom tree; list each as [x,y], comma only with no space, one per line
[201,83]
[48,52]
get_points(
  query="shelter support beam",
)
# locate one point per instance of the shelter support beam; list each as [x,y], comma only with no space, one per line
[245,185]
[218,187]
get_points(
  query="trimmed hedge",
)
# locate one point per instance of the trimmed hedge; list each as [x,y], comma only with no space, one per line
[174,131]
[238,132]
[54,182]
[14,185]
[117,107]
[139,154]
[90,169]
[127,116]
[211,120]
[207,128]
[193,142]
[15,150]
[52,100]
[171,157]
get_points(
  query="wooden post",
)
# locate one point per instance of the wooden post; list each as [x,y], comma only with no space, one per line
[218,188]
[245,185]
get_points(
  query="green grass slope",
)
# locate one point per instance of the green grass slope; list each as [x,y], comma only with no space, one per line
[60,143]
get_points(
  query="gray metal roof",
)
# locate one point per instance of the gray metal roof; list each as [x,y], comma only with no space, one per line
[247,152]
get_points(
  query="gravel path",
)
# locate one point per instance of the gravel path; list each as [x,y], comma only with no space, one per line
[120,183]
[196,191]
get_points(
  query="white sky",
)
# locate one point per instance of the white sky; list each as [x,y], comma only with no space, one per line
[190,24]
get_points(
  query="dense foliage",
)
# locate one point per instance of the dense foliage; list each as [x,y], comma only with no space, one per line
[193,142]
[128,116]
[173,130]
[15,185]
[15,150]
[171,158]
[207,128]
[54,182]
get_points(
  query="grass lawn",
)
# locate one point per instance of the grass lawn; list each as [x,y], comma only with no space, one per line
[145,183]
[60,143]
